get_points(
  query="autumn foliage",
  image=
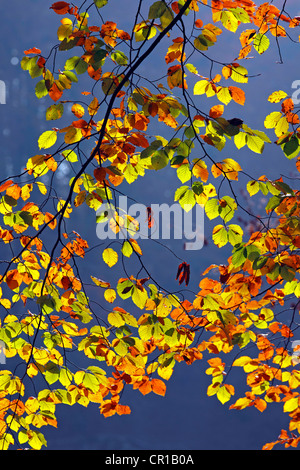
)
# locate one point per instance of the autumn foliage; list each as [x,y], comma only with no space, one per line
[140,335]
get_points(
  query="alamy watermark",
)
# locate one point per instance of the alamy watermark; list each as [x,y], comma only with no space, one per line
[2,92]
[157,222]
[296,352]
[2,353]
[296,94]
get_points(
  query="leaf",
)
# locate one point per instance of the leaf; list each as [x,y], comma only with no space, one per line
[253,187]
[33,50]
[158,387]
[47,139]
[223,394]
[116,319]
[60,7]
[277,96]
[100,282]
[100,3]
[55,111]
[110,295]
[184,173]
[261,43]
[186,197]
[237,94]
[241,361]
[78,110]
[255,144]
[160,10]
[127,249]
[110,257]
[119,57]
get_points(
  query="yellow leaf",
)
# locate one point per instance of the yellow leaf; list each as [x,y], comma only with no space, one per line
[135,246]
[65,29]
[291,404]
[110,295]
[241,361]
[41,187]
[223,394]
[93,107]
[116,319]
[100,282]
[78,110]
[277,96]
[110,257]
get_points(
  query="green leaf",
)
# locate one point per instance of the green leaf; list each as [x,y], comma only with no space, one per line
[273,203]
[220,236]
[184,173]
[125,288]
[198,188]
[239,74]
[255,143]
[159,160]
[186,197]
[41,89]
[161,10]
[201,87]
[52,372]
[291,147]
[239,256]
[71,76]
[127,249]
[287,273]
[100,3]
[259,262]
[212,208]
[55,111]
[253,187]
[70,155]
[119,57]
[261,43]
[235,234]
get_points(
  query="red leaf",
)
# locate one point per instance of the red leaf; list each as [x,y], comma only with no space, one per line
[183,273]
[60,7]
[100,174]
[80,124]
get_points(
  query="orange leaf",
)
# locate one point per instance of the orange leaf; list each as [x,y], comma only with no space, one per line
[145,387]
[80,124]
[260,404]
[287,106]
[33,50]
[123,410]
[5,185]
[216,111]
[237,94]
[198,23]
[54,92]
[158,387]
